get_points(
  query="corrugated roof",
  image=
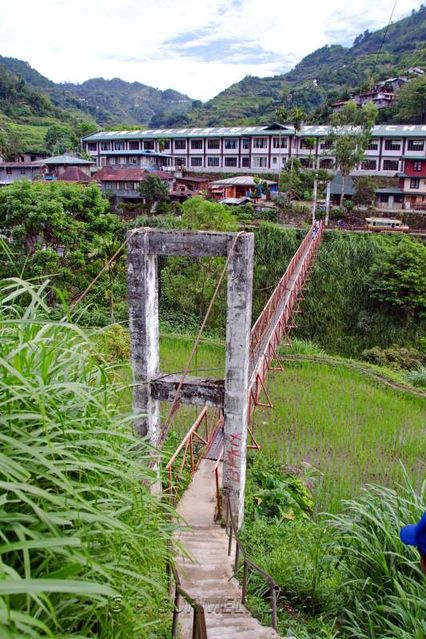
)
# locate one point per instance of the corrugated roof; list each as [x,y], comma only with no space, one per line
[240,180]
[65,159]
[314,130]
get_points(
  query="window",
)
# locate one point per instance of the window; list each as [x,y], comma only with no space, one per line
[118,146]
[180,161]
[392,145]
[274,160]
[105,146]
[369,165]
[8,170]
[196,144]
[213,144]
[230,161]
[326,145]
[163,144]
[261,162]
[373,145]
[279,143]
[327,163]
[134,145]
[416,145]
[231,143]
[245,143]
[390,165]
[196,161]
[23,172]
[260,143]
[213,161]
[414,183]
[245,162]
[133,160]
[92,146]
[108,186]
[180,144]
[148,145]
[417,166]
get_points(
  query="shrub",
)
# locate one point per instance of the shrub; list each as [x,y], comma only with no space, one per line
[417,377]
[395,357]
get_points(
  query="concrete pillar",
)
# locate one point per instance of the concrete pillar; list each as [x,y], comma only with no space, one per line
[327,202]
[238,324]
[142,277]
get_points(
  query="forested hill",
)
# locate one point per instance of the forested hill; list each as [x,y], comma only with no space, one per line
[324,76]
[109,102]
[115,101]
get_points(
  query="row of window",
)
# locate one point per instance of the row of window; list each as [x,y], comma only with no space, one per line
[258,143]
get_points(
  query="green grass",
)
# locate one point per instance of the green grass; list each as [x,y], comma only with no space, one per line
[352,430]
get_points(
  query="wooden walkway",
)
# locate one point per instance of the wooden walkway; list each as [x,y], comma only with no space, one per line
[205,569]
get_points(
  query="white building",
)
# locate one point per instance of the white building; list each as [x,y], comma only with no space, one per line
[262,149]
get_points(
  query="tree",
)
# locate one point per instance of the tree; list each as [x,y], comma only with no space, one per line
[412,101]
[58,231]
[350,135]
[398,277]
[187,285]
[365,190]
[297,116]
[153,190]
[60,138]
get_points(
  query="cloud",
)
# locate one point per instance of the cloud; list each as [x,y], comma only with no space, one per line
[198,48]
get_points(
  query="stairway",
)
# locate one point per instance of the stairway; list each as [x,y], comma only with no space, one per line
[205,569]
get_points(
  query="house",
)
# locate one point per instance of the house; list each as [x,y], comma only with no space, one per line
[123,183]
[413,183]
[53,167]
[12,171]
[189,186]
[242,186]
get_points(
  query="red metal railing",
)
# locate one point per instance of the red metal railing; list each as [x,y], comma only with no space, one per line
[187,446]
[272,325]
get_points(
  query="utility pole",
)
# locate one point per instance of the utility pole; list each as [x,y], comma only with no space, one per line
[314,203]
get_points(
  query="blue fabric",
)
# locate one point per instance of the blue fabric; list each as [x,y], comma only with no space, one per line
[415,534]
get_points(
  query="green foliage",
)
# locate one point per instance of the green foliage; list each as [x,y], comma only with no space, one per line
[341,314]
[84,542]
[417,377]
[412,100]
[60,138]
[384,587]
[349,146]
[398,277]
[59,231]
[365,190]
[204,215]
[153,190]
[275,493]
[395,357]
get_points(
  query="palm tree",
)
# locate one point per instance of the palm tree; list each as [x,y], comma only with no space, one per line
[297,116]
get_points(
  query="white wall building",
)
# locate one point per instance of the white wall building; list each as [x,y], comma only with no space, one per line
[263,149]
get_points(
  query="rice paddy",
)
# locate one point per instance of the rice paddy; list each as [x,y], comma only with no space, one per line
[346,428]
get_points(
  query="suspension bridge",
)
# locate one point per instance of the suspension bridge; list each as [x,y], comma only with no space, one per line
[209,600]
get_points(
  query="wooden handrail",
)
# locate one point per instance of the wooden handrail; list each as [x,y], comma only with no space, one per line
[274,589]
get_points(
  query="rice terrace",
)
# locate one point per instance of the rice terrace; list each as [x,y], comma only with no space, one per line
[213,320]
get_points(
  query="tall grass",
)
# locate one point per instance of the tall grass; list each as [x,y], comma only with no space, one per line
[384,587]
[82,541]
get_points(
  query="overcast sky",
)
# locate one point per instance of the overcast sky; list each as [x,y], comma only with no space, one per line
[198,47]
